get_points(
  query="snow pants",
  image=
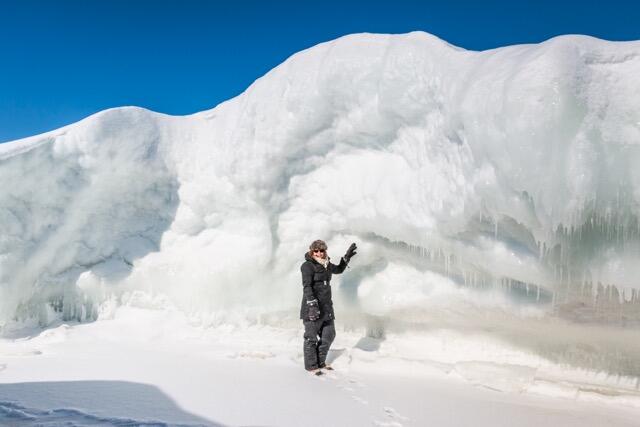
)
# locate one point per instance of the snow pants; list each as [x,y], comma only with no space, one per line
[318,336]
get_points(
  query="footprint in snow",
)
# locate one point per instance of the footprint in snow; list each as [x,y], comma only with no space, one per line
[355,382]
[2,367]
[392,413]
[360,400]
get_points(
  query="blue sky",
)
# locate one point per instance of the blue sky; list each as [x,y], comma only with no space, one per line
[63,60]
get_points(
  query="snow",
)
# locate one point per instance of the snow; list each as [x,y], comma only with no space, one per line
[493,196]
[165,370]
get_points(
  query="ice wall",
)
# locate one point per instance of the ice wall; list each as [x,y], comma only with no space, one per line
[496,178]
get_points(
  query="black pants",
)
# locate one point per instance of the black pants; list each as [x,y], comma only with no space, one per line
[318,337]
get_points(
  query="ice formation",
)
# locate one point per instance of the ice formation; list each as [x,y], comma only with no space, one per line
[467,178]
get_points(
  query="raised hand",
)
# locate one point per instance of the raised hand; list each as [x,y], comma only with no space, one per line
[350,252]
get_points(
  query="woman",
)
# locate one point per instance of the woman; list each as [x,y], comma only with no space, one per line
[316,310]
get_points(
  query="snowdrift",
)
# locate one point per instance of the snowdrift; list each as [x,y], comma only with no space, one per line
[501,180]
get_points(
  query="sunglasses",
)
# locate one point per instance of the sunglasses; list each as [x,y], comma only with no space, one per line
[319,250]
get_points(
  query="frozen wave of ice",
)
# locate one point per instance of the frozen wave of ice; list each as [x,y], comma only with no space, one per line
[456,171]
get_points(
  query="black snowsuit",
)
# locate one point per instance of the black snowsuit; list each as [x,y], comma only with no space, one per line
[316,286]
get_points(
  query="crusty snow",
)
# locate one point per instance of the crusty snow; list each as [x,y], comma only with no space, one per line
[494,197]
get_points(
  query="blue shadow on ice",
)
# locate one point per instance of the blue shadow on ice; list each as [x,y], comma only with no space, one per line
[91,403]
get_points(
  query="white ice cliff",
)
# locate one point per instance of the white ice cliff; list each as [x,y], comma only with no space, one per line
[506,177]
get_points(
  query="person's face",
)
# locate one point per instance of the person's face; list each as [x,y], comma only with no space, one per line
[320,253]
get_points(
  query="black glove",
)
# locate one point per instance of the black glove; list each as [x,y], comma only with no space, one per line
[314,310]
[350,252]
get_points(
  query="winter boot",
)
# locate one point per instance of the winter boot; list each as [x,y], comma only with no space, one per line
[316,372]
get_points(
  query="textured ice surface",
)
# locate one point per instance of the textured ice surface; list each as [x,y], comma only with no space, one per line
[497,179]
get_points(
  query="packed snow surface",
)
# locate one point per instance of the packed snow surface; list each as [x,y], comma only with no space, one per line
[165,372]
[484,189]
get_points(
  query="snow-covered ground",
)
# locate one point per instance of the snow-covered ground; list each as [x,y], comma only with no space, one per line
[153,366]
